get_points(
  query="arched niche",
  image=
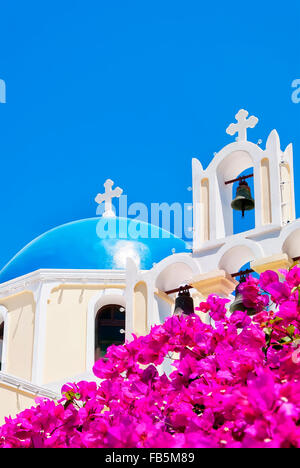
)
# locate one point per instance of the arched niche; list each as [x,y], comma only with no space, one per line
[204,210]
[266,207]
[165,308]
[140,308]
[286,193]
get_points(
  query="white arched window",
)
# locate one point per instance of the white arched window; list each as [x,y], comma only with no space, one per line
[105,323]
[109,328]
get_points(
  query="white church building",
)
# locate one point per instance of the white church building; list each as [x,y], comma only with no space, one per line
[69,294]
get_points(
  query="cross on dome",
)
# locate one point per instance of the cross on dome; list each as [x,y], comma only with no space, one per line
[242,124]
[107,197]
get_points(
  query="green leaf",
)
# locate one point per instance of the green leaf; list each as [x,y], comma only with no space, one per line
[291,330]
[293,264]
[69,395]
[67,403]
[286,339]
[276,320]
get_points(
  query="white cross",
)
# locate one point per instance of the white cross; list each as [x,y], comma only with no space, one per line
[107,198]
[242,124]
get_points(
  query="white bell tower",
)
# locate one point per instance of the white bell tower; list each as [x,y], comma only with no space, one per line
[273,187]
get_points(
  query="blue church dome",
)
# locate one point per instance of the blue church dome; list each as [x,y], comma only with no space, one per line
[94,243]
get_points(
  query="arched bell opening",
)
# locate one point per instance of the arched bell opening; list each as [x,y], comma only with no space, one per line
[174,275]
[229,221]
[235,258]
[291,245]
[171,277]
[237,302]
[243,203]
[109,328]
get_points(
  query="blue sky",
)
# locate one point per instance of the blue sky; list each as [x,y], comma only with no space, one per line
[132,90]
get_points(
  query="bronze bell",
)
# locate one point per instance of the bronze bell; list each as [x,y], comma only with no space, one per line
[243,200]
[184,303]
[238,303]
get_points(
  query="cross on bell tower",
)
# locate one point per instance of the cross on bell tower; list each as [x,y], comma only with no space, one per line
[107,198]
[242,124]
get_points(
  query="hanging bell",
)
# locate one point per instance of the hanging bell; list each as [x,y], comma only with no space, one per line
[184,303]
[243,200]
[238,303]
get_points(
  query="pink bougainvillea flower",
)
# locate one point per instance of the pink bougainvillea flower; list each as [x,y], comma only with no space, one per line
[268,277]
[215,306]
[240,319]
[186,384]
[292,276]
[252,297]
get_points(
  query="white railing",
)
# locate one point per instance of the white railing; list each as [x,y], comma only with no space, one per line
[27,386]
